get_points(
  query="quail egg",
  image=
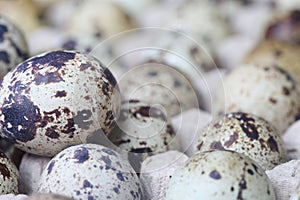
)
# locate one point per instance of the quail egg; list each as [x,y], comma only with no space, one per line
[161,85]
[104,17]
[13,46]
[142,130]
[245,134]
[9,176]
[267,91]
[219,175]
[90,171]
[285,27]
[23,13]
[281,53]
[55,100]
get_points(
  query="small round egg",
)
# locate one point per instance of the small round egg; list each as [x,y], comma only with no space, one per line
[23,13]
[219,175]
[105,19]
[281,53]
[90,171]
[9,176]
[55,100]
[264,90]
[13,46]
[245,134]
[161,85]
[142,130]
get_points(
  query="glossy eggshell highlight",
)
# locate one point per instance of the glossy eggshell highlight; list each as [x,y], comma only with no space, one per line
[9,176]
[13,46]
[55,100]
[219,175]
[264,90]
[245,134]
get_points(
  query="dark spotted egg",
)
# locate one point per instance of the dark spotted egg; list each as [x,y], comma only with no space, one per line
[225,175]
[90,171]
[13,46]
[55,100]
[9,176]
[142,130]
[246,134]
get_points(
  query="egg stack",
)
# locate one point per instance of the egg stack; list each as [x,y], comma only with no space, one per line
[96,103]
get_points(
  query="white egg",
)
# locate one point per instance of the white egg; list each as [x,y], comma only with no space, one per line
[9,176]
[142,130]
[55,100]
[264,90]
[245,134]
[219,175]
[13,46]
[90,171]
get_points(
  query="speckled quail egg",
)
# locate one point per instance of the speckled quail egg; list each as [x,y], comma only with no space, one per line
[104,17]
[23,13]
[246,134]
[267,91]
[13,46]
[47,197]
[219,175]
[142,130]
[90,171]
[284,54]
[9,175]
[159,84]
[55,100]
[285,27]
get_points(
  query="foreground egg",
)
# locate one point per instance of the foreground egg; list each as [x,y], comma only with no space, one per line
[264,90]
[245,134]
[56,100]
[90,171]
[9,176]
[13,46]
[219,175]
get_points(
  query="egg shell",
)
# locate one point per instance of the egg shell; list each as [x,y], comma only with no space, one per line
[13,46]
[281,53]
[23,13]
[142,130]
[219,175]
[55,100]
[161,85]
[267,91]
[9,176]
[246,134]
[90,171]
[107,19]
